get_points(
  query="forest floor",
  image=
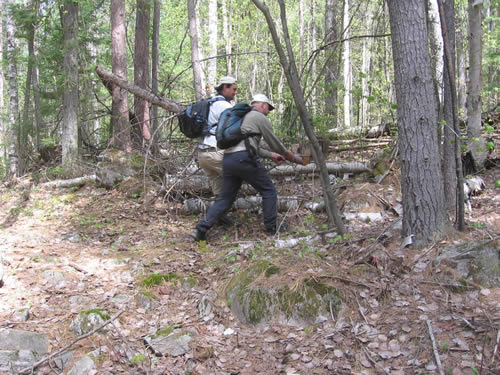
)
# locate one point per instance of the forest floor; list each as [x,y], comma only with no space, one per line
[104,243]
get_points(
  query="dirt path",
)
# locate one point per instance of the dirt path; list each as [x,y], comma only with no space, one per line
[66,251]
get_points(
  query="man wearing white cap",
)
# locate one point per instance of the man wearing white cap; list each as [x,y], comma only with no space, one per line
[209,157]
[242,163]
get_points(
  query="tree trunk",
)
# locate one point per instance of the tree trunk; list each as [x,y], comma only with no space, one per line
[13,126]
[69,140]
[3,126]
[365,69]
[332,33]
[476,141]
[447,13]
[436,51]
[36,99]
[199,92]
[155,52]
[291,73]
[120,119]
[141,67]
[347,68]
[213,22]
[461,63]
[227,31]
[424,213]
[449,139]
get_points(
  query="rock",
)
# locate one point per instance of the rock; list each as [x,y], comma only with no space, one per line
[88,320]
[169,341]
[79,302]
[145,300]
[21,315]
[272,298]
[477,261]
[53,278]
[82,366]
[115,166]
[62,360]
[20,349]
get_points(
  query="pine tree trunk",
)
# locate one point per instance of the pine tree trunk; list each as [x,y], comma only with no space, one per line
[461,63]
[199,92]
[449,163]
[141,67]
[3,126]
[120,118]
[476,141]
[13,125]
[424,212]
[69,139]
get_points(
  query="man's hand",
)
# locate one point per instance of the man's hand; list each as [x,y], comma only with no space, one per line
[277,157]
[290,156]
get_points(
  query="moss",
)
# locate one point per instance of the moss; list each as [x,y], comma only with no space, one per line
[272,270]
[101,312]
[158,279]
[166,331]
[148,294]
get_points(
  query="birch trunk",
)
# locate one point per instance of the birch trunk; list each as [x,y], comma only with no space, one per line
[212,42]
[13,125]
[461,50]
[347,68]
[332,74]
[69,139]
[227,31]
[199,92]
[120,118]
[476,141]
[3,127]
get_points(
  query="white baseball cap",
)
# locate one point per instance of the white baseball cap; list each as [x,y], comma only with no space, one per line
[262,98]
[226,80]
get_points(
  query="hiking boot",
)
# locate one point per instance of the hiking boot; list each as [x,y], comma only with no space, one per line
[283,227]
[198,236]
[225,221]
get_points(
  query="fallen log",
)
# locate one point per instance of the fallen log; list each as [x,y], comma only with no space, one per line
[196,206]
[350,167]
[79,181]
[169,105]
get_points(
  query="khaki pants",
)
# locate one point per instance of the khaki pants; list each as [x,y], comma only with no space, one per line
[211,163]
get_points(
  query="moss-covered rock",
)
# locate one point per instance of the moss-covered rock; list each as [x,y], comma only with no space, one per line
[87,320]
[170,341]
[259,294]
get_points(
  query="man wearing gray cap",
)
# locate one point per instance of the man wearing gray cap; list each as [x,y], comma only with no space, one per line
[209,156]
[243,164]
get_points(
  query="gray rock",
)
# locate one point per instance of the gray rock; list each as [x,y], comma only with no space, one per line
[115,166]
[21,315]
[53,278]
[20,349]
[172,342]
[88,320]
[144,301]
[62,361]
[14,339]
[82,366]
[478,261]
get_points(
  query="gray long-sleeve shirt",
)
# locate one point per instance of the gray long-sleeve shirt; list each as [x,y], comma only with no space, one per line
[257,123]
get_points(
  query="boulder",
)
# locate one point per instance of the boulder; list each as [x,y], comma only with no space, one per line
[117,165]
[260,294]
[88,320]
[169,341]
[20,349]
[476,261]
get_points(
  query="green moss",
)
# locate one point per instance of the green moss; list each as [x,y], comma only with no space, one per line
[166,331]
[158,279]
[101,312]
[148,294]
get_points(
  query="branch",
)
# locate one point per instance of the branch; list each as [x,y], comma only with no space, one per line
[28,370]
[169,105]
[434,348]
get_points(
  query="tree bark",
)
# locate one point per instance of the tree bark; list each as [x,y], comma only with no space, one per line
[3,126]
[213,23]
[447,14]
[69,20]
[199,92]
[155,52]
[332,33]
[120,119]
[424,212]
[347,68]
[36,93]
[449,138]
[13,125]
[169,105]
[290,68]
[476,141]
[227,31]
[141,67]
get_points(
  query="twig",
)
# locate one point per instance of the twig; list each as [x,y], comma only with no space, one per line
[28,370]
[76,267]
[345,280]
[361,310]
[496,348]
[434,348]
[373,361]
[465,321]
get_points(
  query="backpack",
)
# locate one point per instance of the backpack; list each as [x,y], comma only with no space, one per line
[229,127]
[193,120]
